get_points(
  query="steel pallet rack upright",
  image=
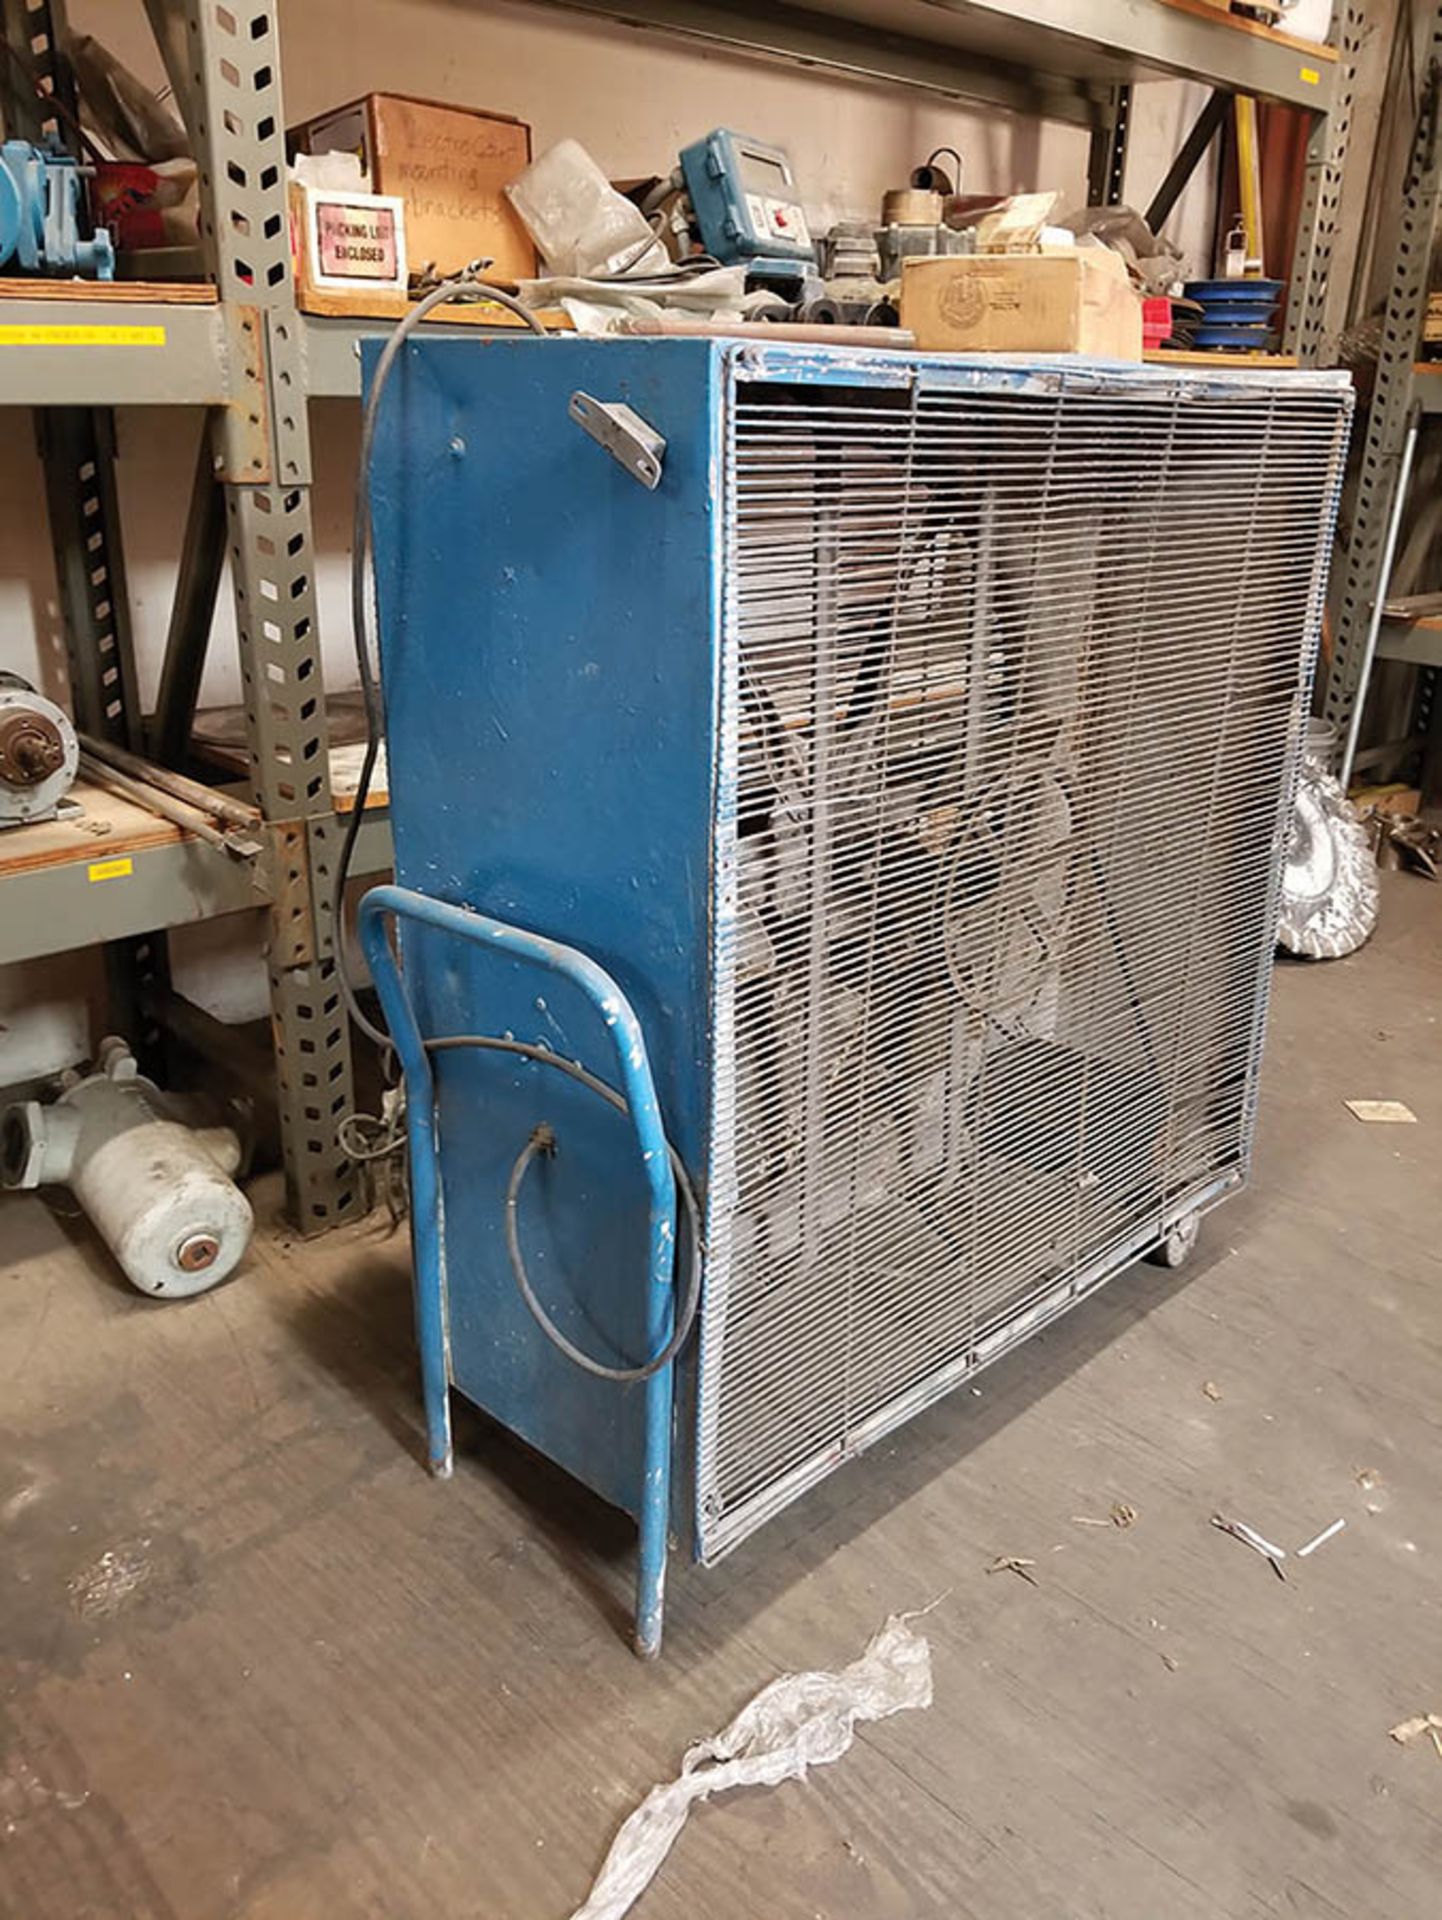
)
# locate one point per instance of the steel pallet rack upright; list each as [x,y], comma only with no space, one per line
[77,446]
[254,362]
[228,77]
[243,357]
[1405,390]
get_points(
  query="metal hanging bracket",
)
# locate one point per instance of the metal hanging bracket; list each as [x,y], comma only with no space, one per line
[624,434]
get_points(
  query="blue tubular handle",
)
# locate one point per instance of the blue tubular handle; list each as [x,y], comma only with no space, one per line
[380,904]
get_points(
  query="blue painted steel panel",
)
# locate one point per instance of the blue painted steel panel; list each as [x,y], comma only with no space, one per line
[565,787]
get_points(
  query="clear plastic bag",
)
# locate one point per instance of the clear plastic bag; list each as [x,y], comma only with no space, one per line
[801,1720]
[579,221]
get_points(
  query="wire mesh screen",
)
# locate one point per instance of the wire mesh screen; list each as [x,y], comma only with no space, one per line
[1016,679]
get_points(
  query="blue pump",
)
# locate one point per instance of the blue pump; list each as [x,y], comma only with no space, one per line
[39,200]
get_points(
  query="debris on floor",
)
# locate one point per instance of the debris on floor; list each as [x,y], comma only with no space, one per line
[1211,1390]
[1390,1113]
[1321,1539]
[1370,1481]
[1119,1514]
[1249,1537]
[1012,1563]
[1399,836]
[1408,1730]
[800,1720]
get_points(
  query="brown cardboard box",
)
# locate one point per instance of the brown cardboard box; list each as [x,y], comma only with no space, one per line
[1023,303]
[448,164]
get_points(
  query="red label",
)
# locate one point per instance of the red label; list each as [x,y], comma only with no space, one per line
[356,243]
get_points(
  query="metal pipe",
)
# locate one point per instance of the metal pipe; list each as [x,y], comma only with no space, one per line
[175,811]
[192,612]
[1384,574]
[1249,176]
[1203,132]
[235,812]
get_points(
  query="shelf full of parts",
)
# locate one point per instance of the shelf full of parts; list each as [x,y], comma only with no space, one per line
[253,362]
[238,352]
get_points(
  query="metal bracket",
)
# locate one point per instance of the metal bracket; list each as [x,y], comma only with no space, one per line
[284,344]
[292,941]
[624,434]
[300,869]
[242,433]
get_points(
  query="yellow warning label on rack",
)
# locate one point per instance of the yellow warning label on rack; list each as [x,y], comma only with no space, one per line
[1311,77]
[120,869]
[15,333]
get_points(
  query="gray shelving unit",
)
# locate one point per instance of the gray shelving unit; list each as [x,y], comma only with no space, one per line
[253,362]
[1370,626]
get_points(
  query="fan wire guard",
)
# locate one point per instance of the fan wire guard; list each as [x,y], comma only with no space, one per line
[1012,686]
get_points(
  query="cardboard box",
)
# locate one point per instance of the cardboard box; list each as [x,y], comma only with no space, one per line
[1079,302]
[448,165]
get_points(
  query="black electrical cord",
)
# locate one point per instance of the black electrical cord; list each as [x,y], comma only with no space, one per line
[543,1140]
[467,286]
[687,269]
[935,154]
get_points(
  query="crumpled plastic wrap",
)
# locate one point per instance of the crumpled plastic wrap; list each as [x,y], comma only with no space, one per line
[602,306]
[1153,262]
[801,1720]
[577,218]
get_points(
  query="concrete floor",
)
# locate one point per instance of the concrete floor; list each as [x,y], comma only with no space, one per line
[257,1664]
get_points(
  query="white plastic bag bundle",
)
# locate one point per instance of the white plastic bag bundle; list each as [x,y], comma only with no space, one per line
[579,221]
[801,1720]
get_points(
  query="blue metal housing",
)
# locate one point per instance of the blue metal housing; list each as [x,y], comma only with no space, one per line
[550,712]
[743,194]
[560,689]
[39,205]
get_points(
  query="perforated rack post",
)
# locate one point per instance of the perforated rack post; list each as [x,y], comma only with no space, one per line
[262,454]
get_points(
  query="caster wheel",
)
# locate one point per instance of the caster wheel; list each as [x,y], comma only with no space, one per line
[1178,1247]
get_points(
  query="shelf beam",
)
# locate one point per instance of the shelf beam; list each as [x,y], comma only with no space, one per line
[1042,57]
[104,353]
[1395,392]
[51,909]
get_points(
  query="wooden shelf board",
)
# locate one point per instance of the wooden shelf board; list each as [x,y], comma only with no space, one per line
[1208,10]
[1415,607]
[1165,357]
[107,827]
[119,293]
